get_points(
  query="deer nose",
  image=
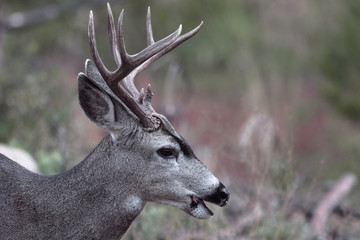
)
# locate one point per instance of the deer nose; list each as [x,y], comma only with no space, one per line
[223,194]
[220,196]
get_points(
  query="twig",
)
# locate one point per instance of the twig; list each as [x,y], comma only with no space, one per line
[329,202]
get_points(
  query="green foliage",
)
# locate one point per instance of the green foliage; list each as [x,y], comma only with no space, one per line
[282,175]
[278,227]
[347,157]
[34,101]
[163,222]
[340,61]
[49,162]
[33,106]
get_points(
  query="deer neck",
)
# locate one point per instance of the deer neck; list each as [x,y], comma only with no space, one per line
[107,200]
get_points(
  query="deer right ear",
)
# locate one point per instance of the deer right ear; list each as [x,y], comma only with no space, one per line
[96,104]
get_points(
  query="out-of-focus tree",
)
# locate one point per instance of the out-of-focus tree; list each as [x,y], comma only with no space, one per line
[34,98]
[340,59]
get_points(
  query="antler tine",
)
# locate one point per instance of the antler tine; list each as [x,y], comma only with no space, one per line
[112,37]
[105,73]
[149,32]
[176,43]
[128,82]
[156,47]
[130,62]
[149,95]
[121,42]
[125,58]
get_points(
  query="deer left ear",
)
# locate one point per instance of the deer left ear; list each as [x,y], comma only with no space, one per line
[96,104]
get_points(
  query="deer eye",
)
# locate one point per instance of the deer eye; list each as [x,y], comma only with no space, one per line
[167,152]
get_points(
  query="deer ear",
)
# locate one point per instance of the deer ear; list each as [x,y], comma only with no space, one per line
[96,104]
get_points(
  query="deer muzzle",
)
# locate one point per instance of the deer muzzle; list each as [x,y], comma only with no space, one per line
[220,196]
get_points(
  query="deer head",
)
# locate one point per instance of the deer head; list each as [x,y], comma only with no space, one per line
[162,164]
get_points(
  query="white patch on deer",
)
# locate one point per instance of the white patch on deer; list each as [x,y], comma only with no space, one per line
[133,204]
[201,211]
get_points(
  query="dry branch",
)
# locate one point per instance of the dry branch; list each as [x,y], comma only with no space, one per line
[329,202]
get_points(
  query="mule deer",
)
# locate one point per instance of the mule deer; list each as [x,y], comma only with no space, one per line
[142,159]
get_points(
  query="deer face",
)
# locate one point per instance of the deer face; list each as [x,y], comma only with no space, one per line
[174,176]
[162,166]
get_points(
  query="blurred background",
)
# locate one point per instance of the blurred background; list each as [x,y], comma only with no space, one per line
[267,94]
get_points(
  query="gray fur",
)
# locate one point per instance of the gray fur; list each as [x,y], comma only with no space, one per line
[101,196]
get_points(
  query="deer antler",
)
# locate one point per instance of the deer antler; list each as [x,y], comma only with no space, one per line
[121,81]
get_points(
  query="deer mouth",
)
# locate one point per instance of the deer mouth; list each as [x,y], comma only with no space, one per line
[198,208]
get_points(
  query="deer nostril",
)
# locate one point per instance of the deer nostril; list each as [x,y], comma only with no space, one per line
[224,194]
